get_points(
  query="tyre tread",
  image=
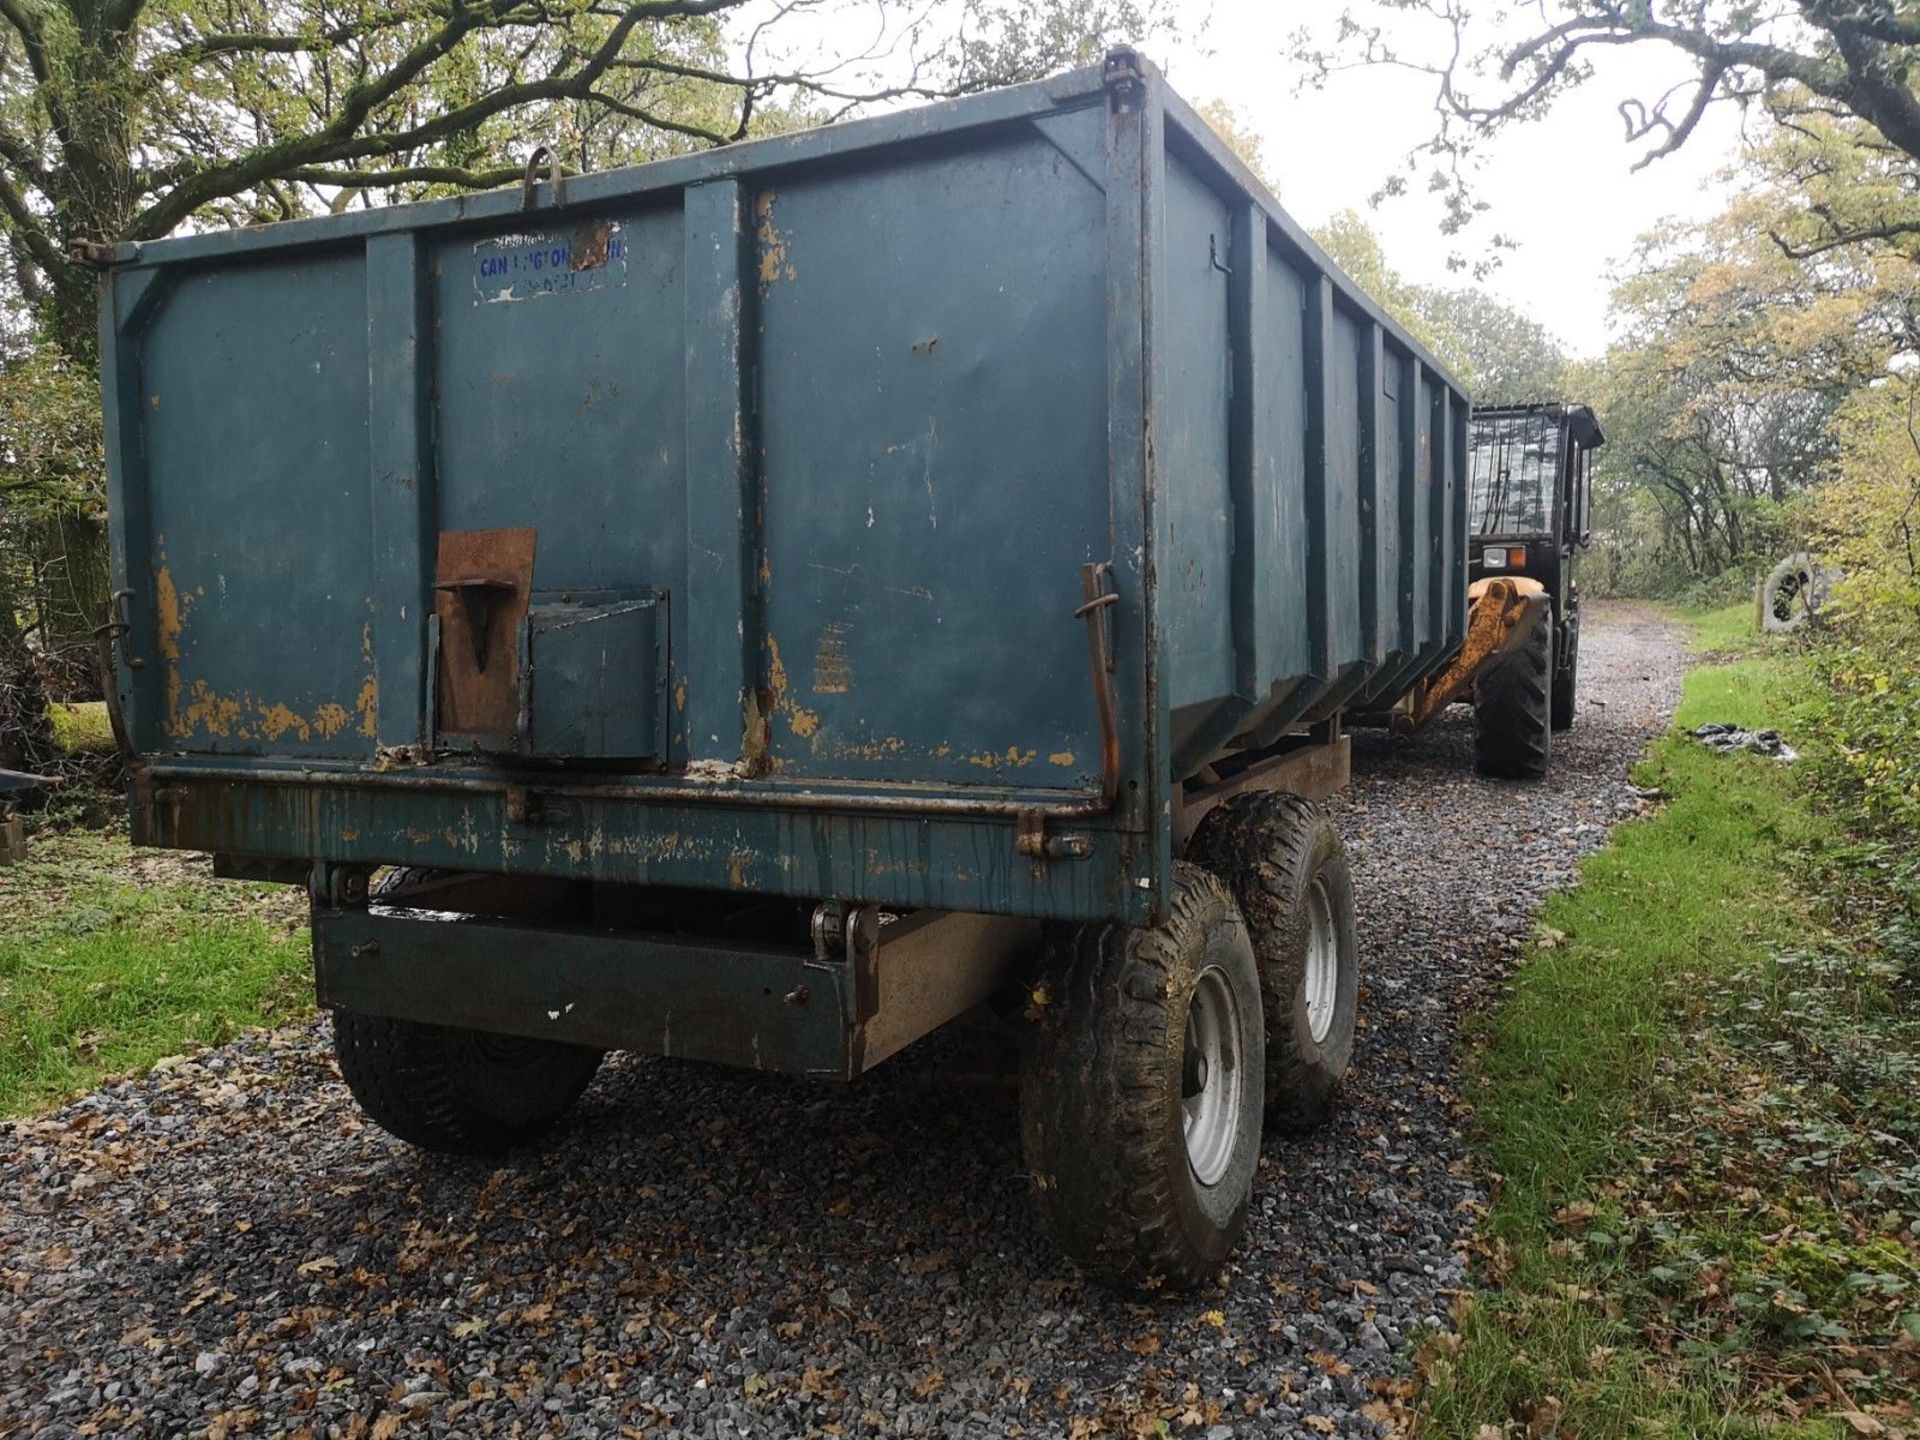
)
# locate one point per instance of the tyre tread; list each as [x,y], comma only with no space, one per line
[1261,845]
[1090,1125]
[1513,709]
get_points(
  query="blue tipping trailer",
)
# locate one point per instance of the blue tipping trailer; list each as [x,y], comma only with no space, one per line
[751,590]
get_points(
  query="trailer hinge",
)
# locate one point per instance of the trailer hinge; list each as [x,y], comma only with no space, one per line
[1125,76]
[847,934]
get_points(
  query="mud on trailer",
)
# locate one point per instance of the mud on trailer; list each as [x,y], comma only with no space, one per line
[755,606]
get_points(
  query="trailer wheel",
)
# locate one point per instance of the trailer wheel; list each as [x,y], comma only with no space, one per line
[455,1091]
[1140,1092]
[1282,858]
[452,1090]
[1513,710]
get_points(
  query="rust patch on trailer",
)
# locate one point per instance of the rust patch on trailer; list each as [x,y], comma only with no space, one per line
[209,711]
[1062,758]
[483,580]
[774,264]
[168,623]
[200,709]
[870,750]
[588,250]
[277,720]
[1015,759]
[330,719]
[367,702]
[804,722]
[166,601]
[832,670]
[754,735]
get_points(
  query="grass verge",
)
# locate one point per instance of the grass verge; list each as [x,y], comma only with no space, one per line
[112,958]
[1698,1102]
[1724,630]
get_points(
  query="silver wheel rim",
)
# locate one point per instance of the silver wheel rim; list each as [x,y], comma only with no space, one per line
[1210,1089]
[1322,980]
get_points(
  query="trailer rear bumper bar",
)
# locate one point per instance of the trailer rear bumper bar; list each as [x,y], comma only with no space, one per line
[863,992]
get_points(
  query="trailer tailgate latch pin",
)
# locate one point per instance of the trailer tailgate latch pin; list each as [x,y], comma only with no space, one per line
[1031,839]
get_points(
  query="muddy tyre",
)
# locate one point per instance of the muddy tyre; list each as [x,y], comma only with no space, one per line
[1513,710]
[1141,1088]
[1282,859]
[453,1090]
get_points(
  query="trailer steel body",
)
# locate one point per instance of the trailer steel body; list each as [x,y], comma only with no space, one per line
[931,516]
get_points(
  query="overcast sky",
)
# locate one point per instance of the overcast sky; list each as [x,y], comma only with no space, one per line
[1563,188]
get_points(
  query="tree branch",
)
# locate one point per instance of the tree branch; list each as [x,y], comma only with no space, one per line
[341,140]
[659,122]
[404,175]
[33,235]
[32,39]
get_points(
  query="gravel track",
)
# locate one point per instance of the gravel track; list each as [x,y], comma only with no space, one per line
[222,1247]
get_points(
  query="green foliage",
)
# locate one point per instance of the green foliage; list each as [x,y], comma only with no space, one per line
[1231,124]
[1502,355]
[1864,523]
[82,729]
[1718,403]
[1754,356]
[1698,1097]
[1513,358]
[110,961]
[52,455]
[1356,249]
[1871,708]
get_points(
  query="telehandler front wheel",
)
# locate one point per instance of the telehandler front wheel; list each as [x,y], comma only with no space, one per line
[1282,858]
[1140,1092]
[1513,710]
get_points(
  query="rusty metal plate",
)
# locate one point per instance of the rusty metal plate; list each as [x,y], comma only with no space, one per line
[482,582]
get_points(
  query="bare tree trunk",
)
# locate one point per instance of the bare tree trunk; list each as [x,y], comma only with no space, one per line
[74,586]
[26,734]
